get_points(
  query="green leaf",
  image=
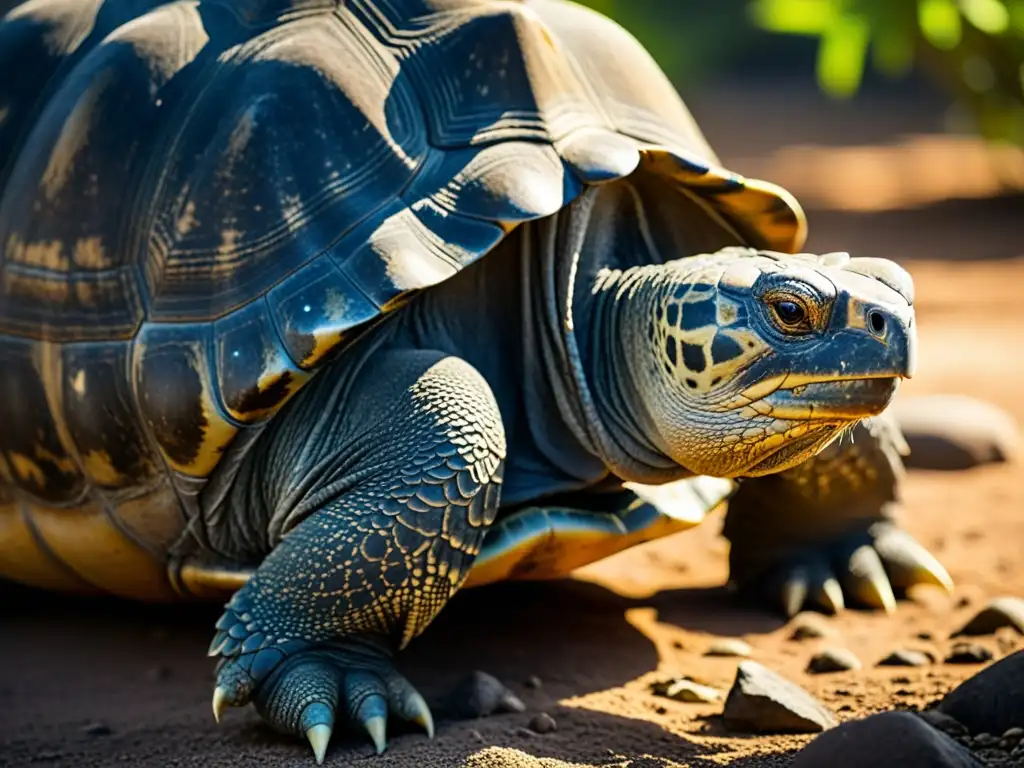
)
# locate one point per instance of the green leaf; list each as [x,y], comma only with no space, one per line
[893,51]
[1016,10]
[841,55]
[795,17]
[989,16]
[940,23]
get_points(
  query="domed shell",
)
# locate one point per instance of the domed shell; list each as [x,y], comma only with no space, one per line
[200,201]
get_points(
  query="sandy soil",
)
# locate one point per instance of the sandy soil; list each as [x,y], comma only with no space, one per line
[97,683]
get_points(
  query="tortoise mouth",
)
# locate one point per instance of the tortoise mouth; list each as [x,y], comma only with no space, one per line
[796,451]
[839,400]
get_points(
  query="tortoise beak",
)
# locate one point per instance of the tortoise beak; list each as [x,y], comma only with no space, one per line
[877,341]
[872,347]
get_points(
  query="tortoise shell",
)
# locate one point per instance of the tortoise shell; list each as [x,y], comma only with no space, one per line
[200,202]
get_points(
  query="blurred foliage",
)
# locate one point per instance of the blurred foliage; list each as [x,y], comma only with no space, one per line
[973,48]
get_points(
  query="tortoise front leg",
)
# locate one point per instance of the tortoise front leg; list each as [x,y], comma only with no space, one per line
[825,533]
[312,636]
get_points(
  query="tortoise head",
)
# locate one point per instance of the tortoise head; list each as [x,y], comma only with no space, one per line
[752,361]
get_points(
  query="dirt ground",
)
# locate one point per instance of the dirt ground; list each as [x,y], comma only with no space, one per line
[97,683]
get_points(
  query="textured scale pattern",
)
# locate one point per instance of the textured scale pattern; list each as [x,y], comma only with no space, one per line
[201,201]
[383,559]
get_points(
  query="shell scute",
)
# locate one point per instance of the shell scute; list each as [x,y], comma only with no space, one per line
[304,132]
[484,72]
[68,249]
[101,419]
[314,308]
[175,392]
[255,374]
[34,441]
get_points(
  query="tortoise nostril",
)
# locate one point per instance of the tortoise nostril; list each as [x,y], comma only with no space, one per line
[876,322]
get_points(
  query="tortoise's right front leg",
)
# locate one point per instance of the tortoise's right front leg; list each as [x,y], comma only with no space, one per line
[393,530]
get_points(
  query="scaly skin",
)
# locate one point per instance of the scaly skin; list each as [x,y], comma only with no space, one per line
[398,523]
[387,470]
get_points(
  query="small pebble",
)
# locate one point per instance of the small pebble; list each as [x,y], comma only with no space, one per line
[686,690]
[479,694]
[762,701]
[524,732]
[543,723]
[534,682]
[810,626]
[968,653]
[986,740]
[476,734]
[943,722]
[96,729]
[1008,639]
[905,657]
[729,646]
[1000,612]
[833,660]
[1014,733]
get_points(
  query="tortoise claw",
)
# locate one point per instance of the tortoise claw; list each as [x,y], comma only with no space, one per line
[793,592]
[219,702]
[407,703]
[319,736]
[829,596]
[908,563]
[866,581]
[377,728]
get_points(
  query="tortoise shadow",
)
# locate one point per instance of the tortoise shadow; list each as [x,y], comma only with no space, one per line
[142,670]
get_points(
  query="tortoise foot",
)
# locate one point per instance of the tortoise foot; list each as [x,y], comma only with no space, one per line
[306,688]
[866,568]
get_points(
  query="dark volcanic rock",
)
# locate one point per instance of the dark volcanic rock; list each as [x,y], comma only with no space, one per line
[886,740]
[950,432]
[833,660]
[968,653]
[479,695]
[905,657]
[1000,612]
[993,700]
[543,723]
[943,722]
[810,626]
[762,701]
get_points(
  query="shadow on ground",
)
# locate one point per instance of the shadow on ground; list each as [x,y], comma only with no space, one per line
[74,668]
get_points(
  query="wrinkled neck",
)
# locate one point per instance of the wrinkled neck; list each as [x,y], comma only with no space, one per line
[619,309]
[593,339]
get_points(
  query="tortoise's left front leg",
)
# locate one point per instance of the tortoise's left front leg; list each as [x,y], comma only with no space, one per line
[825,533]
[408,481]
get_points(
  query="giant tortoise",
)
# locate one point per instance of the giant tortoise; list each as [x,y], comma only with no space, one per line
[335,308]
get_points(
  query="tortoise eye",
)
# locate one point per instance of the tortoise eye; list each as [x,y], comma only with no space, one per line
[790,313]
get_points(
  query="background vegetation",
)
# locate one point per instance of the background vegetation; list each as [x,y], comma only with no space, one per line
[972,48]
